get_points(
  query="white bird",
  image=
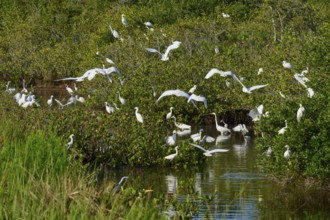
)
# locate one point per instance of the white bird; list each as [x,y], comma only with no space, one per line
[165,56]
[169,115]
[50,101]
[192,90]
[249,90]
[221,129]
[261,70]
[68,89]
[123,20]
[22,99]
[61,105]
[148,24]
[176,92]
[305,71]
[241,128]
[17,97]
[90,74]
[116,107]
[198,136]
[221,73]
[10,90]
[181,133]
[70,143]
[115,189]
[121,99]
[171,139]
[225,15]
[269,152]
[181,125]
[287,153]
[80,99]
[283,130]
[300,113]
[75,87]
[208,153]
[310,92]
[171,156]
[207,139]
[287,65]
[301,79]
[138,115]
[198,99]
[115,34]
[24,90]
[256,114]
[216,50]
[109,60]
[109,108]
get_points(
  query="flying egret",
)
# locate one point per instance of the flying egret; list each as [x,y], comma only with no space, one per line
[90,74]
[250,89]
[70,143]
[256,114]
[116,188]
[63,105]
[169,115]
[192,90]
[115,34]
[171,139]
[221,129]
[176,92]
[198,99]
[287,65]
[221,73]
[287,153]
[121,99]
[283,130]
[165,56]
[181,125]
[123,20]
[208,153]
[261,70]
[300,112]
[138,115]
[171,156]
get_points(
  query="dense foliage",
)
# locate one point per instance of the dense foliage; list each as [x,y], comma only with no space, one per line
[41,41]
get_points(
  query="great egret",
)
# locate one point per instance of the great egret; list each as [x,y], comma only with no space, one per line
[256,114]
[287,65]
[70,143]
[109,60]
[90,74]
[164,56]
[138,115]
[115,34]
[301,79]
[24,90]
[10,90]
[169,115]
[148,24]
[123,20]
[221,129]
[181,125]
[198,99]
[300,112]
[22,99]
[171,139]
[192,90]
[80,99]
[121,99]
[207,139]
[287,153]
[250,89]
[310,92]
[241,128]
[176,92]
[171,156]
[208,153]
[116,188]
[283,130]
[182,133]
[261,70]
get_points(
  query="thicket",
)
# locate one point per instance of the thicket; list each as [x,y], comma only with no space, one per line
[42,41]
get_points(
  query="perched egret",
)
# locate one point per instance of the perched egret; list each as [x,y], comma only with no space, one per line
[310,92]
[208,153]
[301,79]
[198,99]
[24,90]
[116,188]
[10,90]
[123,20]
[176,92]
[164,56]
[261,70]
[171,156]
[80,99]
[115,34]
[192,90]
[269,152]
[287,65]
[300,113]
[181,133]
[70,143]
[138,115]
[225,15]
[121,99]
[216,50]
[148,25]
[181,125]
[169,115]
[198,136]
[90,74]
[287,153]
[221,129]
[68,89]
[207,139]
[283,130]
[171,140]
[109,60]
[109,108]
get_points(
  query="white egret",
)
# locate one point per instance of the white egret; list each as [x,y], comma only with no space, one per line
[261,70]
[181,133]
[24,90]
[241,128]
[192,90]
[80,99]
[176,92]
[198,136]
[28,103]
[22,100]
[121,99]
[109,108]
[181,125]
[310,92]
[165,56]
[109,60]
[17,97]
[216,50]
[283,130]
[287,65]
[116,107]
[221,129]
[282,95]
[68,89]
[70,143]
[287,153]
[10,90]
[138,116]
[256,114]
[225,15]
[250,89]
[269,152]
[208,153]
[61,105]
[305,71]
[171,156]
[148,25]
[207,139]
[169,115]
[221,73]
[300,112]
[116,188]
[171,139]
[198,99]
[90,74]
[123,20]
[115,34]
[301,79]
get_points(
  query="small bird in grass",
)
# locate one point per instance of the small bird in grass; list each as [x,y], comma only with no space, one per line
[283,130]
[287,65]
[169,115]
[172,156]
[300,113]
[70,143]
[138,116]
[287,153]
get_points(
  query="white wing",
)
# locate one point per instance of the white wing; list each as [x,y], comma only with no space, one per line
[301,80]
[254,114]
[238,128]
[152,50]
[198,99]
[176,92]
[218,151]
[111,70]
[109,60]
[220,72]
[199,147]
[257,87]
[260,109]
[174,45]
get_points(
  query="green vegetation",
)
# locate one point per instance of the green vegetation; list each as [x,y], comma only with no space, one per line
[41,41]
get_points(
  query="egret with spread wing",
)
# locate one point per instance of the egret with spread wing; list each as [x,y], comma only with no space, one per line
[164,56]
[208,153]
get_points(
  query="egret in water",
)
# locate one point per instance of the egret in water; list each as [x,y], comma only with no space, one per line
[208,153]
[90,74]
[176,92]
[123,20]
[171,140]
[165,56]
[221,129]
[171,156]
[283,130]
[192,90]
[241,128]
[70,143]
[287,153]
[80,99]
[300,113]
[287,65]
[138,115]
[116,188]
[198,99]
[169,115]
[181,126]
[250,89]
